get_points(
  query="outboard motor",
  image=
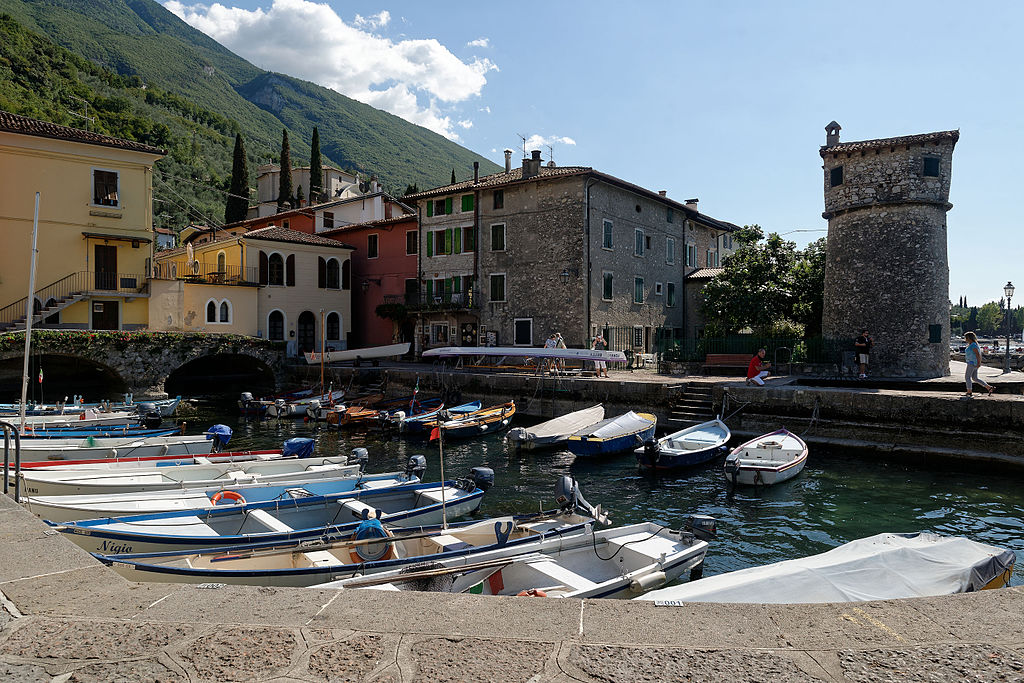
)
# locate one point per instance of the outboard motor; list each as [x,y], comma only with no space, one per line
[313,409]
[479,478]
[652,453]
[220,435]
[151,419]
[416,467]
[704,527]
[359,456]
[298,447]
[569,499]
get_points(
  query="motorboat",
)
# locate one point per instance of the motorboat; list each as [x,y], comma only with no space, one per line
[296,407]
[768,459]
[613,435]
[293,518]
[882,567]
[113,447]
[485,421]
[425,422]
[556,432]
[685,448]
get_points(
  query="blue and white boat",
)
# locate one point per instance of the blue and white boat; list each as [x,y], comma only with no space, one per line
[613,435]
[424,422]
[486,421]
[96,432]
[685,448]
[293,518]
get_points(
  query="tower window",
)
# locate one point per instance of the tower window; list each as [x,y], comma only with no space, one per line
[931,166]
[836,176]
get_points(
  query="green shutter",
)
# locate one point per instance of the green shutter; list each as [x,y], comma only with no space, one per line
[458,240]
[467,202]
[448,205]
[430,243]
[430,291]
[430,208]
[448,289]
[448,241]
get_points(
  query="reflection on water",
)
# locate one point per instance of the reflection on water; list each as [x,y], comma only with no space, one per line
[837,498]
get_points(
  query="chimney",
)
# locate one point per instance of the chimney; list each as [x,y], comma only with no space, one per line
[531,166]
[832,134]
[662,193]
[508,161]
[692,202]
[476,172]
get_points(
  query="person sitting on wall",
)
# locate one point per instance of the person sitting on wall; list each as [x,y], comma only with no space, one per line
[758,368]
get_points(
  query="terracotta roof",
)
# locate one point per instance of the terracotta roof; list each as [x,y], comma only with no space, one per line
[275,233]
[940,136]
[705,273]
[163,231]
[370,224]
[14,123]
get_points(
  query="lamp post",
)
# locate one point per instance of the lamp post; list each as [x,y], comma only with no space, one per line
[1008,291]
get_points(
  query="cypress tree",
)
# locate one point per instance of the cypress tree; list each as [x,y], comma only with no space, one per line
[453,176]
[238,201]
[316,171]
[299,196]
[284,195]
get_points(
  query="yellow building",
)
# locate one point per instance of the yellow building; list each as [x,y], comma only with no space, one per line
[271,282]
[95,225]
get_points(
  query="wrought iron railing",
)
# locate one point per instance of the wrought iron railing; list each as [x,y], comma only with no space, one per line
[435,301]
[75,284]
[208,273]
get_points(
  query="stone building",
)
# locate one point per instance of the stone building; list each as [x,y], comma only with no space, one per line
[886,264]
[509,258]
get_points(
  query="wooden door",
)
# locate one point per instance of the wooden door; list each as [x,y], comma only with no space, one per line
[106,268]
[307,332]
[105,315]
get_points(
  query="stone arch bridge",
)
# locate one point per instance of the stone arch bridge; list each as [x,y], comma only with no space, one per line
[144,361]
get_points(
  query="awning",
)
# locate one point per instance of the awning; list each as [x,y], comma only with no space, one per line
[115,238]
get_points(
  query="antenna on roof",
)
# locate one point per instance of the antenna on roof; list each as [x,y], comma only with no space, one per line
[523,138]
[551,154]
[88,119]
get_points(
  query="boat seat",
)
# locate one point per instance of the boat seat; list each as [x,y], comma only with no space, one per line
[200,460]
[361,510]
[434,496]
[238,475]
[563,576]
[447,542]
[268,520]
[320,558]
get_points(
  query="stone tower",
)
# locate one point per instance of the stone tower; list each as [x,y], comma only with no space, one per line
[886,267]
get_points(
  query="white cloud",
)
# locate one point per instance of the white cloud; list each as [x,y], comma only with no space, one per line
[540,141]
[465,123]
[479,42]
[416,79]
[486,110]
[378,20]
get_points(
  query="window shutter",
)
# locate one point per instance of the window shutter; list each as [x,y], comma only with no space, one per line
[467,202]
[448,241]
[430,244]
[430,290]
[321,273]
[470,239]
[264,268]
[430,208]
[448,289]
[448,205]
[289,270]
[458,240]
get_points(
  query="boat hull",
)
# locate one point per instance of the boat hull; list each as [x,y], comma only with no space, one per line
[747,466]
[590,445]
[686,448]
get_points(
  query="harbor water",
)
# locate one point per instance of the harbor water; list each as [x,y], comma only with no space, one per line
[838,497]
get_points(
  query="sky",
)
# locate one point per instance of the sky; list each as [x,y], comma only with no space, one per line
[726,102]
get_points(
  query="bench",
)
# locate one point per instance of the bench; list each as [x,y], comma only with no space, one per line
[727,360]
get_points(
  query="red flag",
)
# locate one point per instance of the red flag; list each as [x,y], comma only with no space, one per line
[435,433]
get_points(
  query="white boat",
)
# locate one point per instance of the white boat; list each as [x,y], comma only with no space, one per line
[766,460]
[586,563]
[113,447]
[88,418]
[526,352]
[555,432]
[881,567]
[297,407]
[685,448]
[368,353]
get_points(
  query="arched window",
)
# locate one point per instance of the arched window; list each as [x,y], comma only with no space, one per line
[211,311]
[346,274]
[275,326]
[222,261]
[225,311]
[333,326]
[275,265]
[333,277]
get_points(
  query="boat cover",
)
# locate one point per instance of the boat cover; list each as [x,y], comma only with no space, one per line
[880,567]
[627,423]
[560,427]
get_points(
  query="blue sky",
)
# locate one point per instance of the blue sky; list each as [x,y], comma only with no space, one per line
[725,102]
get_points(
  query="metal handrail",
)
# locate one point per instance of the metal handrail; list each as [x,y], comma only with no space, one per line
[71,285]
[9,429]
[198,271]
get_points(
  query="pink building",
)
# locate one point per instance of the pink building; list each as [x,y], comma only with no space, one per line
[384,271]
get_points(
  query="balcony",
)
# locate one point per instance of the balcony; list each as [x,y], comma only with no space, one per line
[448,301]
[205,273]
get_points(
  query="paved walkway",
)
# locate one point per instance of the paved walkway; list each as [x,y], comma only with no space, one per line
[64,617]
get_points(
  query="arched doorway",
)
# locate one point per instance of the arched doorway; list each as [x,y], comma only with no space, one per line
[306,332]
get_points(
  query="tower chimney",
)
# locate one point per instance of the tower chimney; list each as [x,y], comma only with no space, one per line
[531,166]
[832,134]
[508,161]
[476,172]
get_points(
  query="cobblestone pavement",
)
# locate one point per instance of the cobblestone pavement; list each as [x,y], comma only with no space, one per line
[64,617]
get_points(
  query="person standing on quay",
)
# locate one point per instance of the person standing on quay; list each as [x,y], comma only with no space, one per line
[863,345]
[972,354]
[758,368]
[600,366]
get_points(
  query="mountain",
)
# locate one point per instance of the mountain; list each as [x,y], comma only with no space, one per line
[150,48]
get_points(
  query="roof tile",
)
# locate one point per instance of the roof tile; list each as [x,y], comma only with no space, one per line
[858,145]
[276,233]
[14,123]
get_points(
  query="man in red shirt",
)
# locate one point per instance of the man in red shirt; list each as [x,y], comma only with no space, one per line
[758,368]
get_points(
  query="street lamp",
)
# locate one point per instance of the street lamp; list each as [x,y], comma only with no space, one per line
[1008,291]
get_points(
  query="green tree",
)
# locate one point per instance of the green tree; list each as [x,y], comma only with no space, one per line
[316,171]
[990,318]
[755,288]
[453,176]
[411,189]
[972,319]
[284,194]
[299,195]
[238,200]
[809,287]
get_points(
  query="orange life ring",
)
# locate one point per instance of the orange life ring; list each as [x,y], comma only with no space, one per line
[389,554]
[230,495]
[532,593]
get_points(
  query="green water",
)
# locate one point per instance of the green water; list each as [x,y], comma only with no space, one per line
[837,498]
